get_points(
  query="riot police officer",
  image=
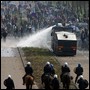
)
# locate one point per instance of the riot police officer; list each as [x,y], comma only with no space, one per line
[9,83]
[28,70]
[82,83]
[47,68]
[64,69]
[55,82]
[78,71]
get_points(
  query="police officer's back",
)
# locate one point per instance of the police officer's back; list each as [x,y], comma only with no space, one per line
[65,68]
[81,82]
[52,69]
[28,69]
[55,82]
[9,83]
[78,71]
[47,68]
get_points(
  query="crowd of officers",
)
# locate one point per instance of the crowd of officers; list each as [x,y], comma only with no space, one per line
[49,69]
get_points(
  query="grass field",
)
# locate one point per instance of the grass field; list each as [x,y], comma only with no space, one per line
[38,58]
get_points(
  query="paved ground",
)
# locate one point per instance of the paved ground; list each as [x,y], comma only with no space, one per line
[82,57]
[12,64]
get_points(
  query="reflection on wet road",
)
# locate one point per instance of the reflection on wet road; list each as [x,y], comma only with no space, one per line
[8,52]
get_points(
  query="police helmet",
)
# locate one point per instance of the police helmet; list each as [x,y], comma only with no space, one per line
[48,63]
[55,76]
[66,63]
[79,65]
[28,63]
[81,76]
[9,76]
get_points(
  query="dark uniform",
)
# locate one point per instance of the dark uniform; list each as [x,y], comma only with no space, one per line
[4,34]
[82,36]
[29,71]
[47,69]
[55,83]
[81,83]
[9,83]
[79,71]
[52,69]
[64,69]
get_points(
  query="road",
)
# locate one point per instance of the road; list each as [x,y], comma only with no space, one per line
[11,64]
[82,57]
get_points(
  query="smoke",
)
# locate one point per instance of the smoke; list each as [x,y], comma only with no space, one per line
[41,39]
[10,42]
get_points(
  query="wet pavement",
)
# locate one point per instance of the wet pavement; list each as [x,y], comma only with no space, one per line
[10,42]
[11,64]
[82,57]
[9,52]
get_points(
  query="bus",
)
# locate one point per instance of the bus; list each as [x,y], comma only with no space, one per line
[63,41]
